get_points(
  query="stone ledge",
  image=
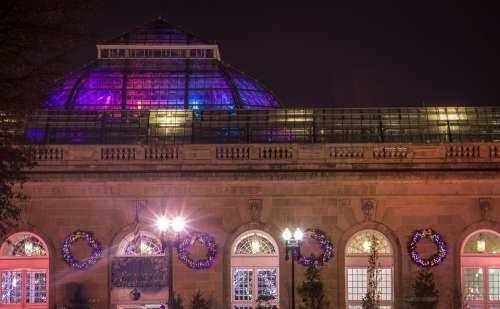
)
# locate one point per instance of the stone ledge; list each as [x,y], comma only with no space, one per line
[267,157]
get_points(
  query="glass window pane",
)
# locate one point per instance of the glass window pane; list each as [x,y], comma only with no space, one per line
[24,244]
[385,283]
[494,284]
[36,287]
[242,284]
[357,283]
[149,245]
[255,244]
[360,243]
[11,287]
[484,242]
[266,284]
[473,284]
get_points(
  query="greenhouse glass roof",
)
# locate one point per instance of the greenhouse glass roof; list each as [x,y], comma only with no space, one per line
[158,67]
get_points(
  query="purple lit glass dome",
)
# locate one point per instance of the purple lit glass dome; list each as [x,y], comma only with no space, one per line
[159,66]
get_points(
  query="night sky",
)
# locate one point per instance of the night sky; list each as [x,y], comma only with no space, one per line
[406,54]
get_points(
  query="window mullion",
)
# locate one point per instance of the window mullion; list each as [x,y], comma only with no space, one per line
[255,286]
[23,286]
[486,290]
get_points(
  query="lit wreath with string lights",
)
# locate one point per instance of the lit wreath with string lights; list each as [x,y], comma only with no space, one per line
[434,259]
[185,245]
[92,242]
[326,246]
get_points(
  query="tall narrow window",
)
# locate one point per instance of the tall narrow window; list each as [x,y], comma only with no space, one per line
[356,269]
[480,262]
[254,271]
[24,264]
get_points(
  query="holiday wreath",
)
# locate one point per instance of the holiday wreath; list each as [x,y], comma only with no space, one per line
[92,242]
[434,259]
[186,244]
[326,246]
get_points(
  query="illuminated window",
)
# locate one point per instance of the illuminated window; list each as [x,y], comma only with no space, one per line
[360,243]
[480,262]
[255,243]
[356,271]
[254,271]
[23,244]
[149,245]
[24,268]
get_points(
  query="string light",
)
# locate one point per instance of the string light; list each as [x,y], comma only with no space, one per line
[433,260]
[366,246]
[68,255]
[205,239]
[28,247]
[255,245]
[481,244]
[326,246]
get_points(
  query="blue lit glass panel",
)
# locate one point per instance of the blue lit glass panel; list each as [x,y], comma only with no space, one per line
[209,82]
[158,84]
[257,99]
[57,99]
[89,99]
[103,80]
[35,135]
[210,99]
[241,83]
[155,99]
[156,80]
[203,66]
[70,135]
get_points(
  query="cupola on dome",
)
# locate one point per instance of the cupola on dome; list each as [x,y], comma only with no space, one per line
[159,66]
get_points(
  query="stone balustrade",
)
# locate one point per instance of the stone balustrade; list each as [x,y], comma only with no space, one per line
[292,156]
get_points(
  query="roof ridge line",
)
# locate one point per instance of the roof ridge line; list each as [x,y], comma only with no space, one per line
[189,36]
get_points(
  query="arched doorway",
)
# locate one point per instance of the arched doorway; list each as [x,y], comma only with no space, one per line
[24,272]
[356,269]
[254,270]
[480,270]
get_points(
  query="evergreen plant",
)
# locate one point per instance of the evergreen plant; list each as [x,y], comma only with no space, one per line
[426,293]
[312,290]
[199,302]
[372,298]
[178,302]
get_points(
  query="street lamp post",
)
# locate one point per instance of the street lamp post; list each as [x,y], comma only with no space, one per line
[176,225]
[292,244]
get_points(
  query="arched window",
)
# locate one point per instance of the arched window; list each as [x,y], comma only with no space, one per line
[24,265]
[356,269]
[254,270]
[480,262]
[135,248]
[149,245]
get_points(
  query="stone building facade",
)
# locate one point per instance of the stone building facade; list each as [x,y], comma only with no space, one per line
[428,186]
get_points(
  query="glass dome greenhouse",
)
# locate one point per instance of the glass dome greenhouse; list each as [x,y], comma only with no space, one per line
[156,67]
